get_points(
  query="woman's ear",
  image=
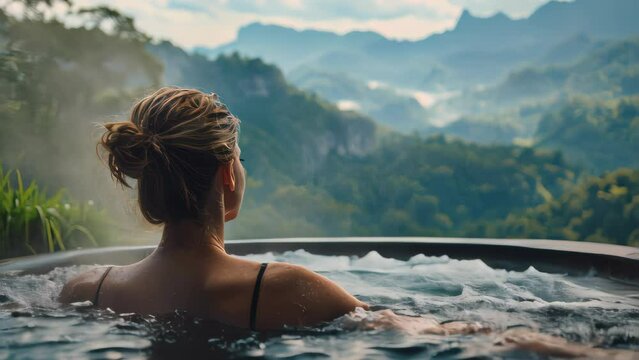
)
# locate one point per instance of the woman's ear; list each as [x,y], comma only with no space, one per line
[228,175]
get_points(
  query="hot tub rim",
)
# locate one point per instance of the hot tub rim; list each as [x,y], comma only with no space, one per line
[558,256]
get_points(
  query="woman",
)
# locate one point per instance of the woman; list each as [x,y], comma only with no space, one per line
[181,146]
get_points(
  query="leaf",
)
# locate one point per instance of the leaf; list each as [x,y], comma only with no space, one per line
[85,231]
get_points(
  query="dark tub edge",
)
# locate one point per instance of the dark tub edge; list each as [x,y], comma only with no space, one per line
[555,256]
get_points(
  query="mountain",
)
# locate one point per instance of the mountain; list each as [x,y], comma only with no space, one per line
[317,171]
[609,70]
[282,125]
[570,49]
[481,50]
[511,110]
[477,50]
[549,23]
[289,48]
[602,19]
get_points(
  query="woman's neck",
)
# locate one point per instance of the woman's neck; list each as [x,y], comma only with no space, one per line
[191,235]
[205,236]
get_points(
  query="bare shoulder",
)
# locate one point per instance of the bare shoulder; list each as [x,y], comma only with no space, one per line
[279,272]
[285,276]
[82,287]
[296,296]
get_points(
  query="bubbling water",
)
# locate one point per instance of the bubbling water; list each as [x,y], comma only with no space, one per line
[586,309]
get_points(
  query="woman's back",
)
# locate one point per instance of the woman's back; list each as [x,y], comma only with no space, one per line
[218,287]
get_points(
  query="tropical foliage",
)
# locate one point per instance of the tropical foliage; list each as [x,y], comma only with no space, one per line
[32,221]
[604,209]
[600,135]
[56,82]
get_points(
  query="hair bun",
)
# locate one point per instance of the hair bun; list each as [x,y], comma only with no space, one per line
[173,144]
[127,147]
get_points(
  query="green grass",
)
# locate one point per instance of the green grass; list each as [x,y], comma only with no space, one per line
[33,222]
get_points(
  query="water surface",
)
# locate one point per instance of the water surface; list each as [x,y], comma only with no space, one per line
[586,309]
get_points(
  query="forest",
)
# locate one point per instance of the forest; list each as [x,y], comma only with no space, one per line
[313,169]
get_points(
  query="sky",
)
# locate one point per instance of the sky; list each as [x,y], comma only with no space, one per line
[210,23]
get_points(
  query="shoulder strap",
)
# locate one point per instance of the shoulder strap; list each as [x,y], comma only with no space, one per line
[256,295]
[97,291]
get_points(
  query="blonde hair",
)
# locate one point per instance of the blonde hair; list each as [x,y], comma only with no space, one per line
[172,145]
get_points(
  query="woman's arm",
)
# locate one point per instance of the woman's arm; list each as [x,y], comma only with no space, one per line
[413,325]
[518,338]
[292,295]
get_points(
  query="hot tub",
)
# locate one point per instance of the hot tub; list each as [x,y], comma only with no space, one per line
[584,292]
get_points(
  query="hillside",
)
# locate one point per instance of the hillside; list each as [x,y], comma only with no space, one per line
[391,186]
[513,108]
[284,130]
[408,186]
[610,70]
[598,135]
[56,83]
[384,104]
[604,209]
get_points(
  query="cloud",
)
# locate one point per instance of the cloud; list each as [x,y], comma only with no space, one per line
[192,23]
[181,25]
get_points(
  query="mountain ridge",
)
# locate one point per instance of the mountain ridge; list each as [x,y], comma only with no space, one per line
[497,43]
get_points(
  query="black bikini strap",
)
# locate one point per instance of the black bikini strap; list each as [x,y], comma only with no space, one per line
[97,291]
[256,294]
